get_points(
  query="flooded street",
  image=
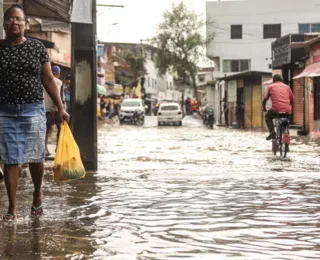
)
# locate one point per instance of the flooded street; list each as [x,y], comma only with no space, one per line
[175,193]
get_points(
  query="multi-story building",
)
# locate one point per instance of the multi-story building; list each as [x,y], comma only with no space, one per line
[244,30]
[157,87]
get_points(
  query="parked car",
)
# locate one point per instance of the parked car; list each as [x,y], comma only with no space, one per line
[129,108]
[169,113]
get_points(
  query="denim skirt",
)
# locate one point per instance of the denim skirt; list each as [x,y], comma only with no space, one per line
[22,133]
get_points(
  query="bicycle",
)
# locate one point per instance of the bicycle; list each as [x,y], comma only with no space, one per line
[282,140]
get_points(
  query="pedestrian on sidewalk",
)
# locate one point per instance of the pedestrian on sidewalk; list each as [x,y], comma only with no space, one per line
[24,70]
[226,111]
[52,113]
[67,93]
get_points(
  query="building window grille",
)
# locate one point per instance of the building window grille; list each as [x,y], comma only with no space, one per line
[271,31]
[236,31]
[236,65]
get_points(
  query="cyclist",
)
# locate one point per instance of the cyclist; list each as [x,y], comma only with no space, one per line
[282,101]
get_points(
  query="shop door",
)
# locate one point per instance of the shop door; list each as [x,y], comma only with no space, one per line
[317,98]
[248,106]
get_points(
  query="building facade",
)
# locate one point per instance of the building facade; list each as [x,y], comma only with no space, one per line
[156,87]
[244,30]
[307,86]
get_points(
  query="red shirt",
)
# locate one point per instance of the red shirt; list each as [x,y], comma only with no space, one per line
[281,96]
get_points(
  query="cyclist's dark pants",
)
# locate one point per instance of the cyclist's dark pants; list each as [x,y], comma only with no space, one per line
[270,115]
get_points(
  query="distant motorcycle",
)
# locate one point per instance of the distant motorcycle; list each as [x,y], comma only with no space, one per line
[209,118]
[138,118]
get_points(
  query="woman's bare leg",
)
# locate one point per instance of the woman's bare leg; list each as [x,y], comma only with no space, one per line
[37,172]
[11,178]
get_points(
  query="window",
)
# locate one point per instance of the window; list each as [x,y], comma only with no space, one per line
[155,83]
[304,28]
[244,65]
[167,85]
[131,103]
[236,65]
[315,27]
[236,31]
[309,27]
[149,83]
[152,83]
[201,78]
[271,31]
[169,107]
[171,85]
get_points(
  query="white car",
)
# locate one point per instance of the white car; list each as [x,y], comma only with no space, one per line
[128,107]
[169,113]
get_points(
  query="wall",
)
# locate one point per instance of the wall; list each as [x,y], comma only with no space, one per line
[256,106]
[163,83]
[63,43]
[252,14]
[298,88]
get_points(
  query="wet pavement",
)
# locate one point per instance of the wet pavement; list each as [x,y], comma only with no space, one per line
[176,193]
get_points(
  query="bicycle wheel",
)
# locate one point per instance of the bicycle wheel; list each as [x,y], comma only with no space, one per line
[274,147]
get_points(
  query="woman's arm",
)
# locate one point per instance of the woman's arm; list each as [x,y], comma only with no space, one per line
[53,91]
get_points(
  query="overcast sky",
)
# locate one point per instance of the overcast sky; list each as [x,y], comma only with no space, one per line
[137,20]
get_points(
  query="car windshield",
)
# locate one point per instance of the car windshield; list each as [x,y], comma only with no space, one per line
[166,108]
[131,103]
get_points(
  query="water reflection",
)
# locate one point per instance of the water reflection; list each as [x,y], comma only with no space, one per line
[176,193]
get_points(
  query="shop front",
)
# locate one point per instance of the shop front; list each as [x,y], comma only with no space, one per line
[309,79]
[245,95]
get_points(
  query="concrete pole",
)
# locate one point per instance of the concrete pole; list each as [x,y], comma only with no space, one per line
[84,90]
[1,17]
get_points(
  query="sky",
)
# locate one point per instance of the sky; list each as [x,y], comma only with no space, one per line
[137,20]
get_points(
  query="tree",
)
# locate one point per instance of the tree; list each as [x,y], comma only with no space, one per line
[180,42]
[130,69]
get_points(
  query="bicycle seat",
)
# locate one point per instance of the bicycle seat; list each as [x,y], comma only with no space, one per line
[283,114]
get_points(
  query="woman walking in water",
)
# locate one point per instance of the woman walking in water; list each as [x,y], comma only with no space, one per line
[24,69]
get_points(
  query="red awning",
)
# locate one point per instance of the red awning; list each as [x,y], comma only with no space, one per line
[313,70]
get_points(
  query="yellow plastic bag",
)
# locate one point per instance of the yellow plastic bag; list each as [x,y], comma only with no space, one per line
[67,164]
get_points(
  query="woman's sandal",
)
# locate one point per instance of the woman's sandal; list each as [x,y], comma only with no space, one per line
[36,211]
[9,217]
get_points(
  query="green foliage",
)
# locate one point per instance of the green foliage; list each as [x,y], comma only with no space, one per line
[130,68]
[180,42]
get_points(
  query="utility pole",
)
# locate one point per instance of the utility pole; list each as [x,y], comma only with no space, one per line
[84,90]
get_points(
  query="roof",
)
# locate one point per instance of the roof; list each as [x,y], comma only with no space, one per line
[245,74]
[128,45]
[312,70]
[58,10]
[305,44]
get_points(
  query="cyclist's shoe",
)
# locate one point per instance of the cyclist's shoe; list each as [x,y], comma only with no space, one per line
[271,136]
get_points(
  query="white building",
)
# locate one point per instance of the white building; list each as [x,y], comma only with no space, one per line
[244,30]
[158,87]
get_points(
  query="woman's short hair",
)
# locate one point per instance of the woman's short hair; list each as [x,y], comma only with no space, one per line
[13,7]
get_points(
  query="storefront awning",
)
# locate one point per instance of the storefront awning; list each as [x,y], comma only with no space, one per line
[58,10]
[313,70]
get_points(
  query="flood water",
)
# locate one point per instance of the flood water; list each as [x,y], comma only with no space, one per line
[175,193]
